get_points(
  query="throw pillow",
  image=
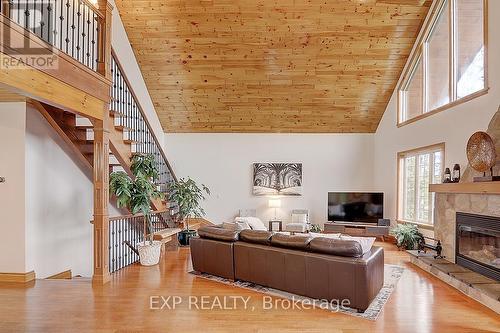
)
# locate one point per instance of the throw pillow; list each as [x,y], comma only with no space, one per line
[254,222]
[365,242]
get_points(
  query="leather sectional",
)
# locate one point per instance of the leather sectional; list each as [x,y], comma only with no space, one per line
[320,268]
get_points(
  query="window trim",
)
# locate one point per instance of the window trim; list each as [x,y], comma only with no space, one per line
[419,50]
[399,200]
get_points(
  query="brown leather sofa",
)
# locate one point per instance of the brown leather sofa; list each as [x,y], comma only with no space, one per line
[320,268]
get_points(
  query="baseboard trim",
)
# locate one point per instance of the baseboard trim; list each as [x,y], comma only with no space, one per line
[66,275]
[17,277]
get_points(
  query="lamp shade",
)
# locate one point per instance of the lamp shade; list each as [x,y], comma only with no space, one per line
[274,203]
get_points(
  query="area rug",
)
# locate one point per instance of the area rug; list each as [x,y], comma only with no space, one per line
[392,274]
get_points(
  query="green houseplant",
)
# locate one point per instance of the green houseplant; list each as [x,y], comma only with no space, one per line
[135,193]
[407,236]
[188,197]
[315,228]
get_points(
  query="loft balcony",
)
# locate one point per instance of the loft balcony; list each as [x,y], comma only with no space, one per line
[57,52]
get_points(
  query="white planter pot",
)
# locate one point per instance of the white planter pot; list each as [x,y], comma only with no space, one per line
[149,254]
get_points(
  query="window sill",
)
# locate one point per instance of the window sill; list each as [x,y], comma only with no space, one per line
[420,225]
[445,107]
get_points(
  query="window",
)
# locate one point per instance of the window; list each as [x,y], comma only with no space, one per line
[413,97]
[449,63]
[470,48]
[417,169]
[438,62]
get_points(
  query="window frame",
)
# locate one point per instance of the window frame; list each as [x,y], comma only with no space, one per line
[400,181]
[419,52]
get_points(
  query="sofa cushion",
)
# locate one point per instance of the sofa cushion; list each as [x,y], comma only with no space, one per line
[299,242]
[256,236]
[337,247]
[218,233]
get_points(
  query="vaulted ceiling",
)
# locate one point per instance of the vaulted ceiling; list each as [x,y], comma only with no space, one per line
[271,66]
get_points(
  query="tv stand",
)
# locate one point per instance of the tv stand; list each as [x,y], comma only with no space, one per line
[357,229]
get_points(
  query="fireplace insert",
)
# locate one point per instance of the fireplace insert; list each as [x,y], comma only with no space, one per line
[477,244]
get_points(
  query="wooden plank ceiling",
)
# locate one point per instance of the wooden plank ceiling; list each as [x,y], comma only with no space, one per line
[271,66]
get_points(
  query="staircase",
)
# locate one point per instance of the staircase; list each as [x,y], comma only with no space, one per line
[129,133]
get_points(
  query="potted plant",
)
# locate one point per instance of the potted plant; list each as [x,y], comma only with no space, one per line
[315,228]
[407,236]
[135,194]
[188,197]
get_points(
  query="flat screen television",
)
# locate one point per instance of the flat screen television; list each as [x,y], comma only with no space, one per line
[355,207]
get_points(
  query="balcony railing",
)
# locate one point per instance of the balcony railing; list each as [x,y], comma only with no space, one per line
[129,230]
[129,115]
[72,26]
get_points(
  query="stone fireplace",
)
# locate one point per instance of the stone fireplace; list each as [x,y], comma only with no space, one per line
[467,221]
[467,197]
[478,244]
[447,207]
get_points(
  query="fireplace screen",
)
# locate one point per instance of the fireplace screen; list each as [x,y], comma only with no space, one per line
[479,244]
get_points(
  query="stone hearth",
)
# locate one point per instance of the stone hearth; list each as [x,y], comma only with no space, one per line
[472,284]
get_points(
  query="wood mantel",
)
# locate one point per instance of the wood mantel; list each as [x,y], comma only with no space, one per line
[470,188]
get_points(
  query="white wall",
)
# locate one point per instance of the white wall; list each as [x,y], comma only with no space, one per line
[12,205]
[224,163]
[59,203]
[453,126]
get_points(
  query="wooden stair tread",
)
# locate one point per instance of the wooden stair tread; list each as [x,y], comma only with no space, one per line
[166,233]
[122,128]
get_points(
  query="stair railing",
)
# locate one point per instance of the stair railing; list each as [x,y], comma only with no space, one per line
[128,230]
[131,117]
[72,26]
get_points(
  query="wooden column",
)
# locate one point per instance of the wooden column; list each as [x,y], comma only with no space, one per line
[101,156]
[101,199]
[104,61]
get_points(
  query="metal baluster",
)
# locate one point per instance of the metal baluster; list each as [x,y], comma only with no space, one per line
[87,37]
[110,247]
[74,23]
[121,243]
[78,47]
[61,19]
[94,58]
[127,250]
[83,34]
[117,244]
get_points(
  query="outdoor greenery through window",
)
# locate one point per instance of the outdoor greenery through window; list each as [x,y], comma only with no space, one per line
[449,63]
[418,169]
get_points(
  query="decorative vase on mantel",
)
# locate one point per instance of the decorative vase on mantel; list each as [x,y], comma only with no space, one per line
[482,156]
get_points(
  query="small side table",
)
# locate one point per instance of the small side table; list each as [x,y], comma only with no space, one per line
[280,225]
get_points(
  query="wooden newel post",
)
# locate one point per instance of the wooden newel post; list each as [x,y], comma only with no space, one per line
[104,54]
[101,200]
[101,155]
[5,8]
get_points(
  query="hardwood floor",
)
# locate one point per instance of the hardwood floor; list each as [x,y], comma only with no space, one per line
[420,303]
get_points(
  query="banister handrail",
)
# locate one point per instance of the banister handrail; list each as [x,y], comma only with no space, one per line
[129,115]
[93,8]
[141,110]
[121,217]
[125,232]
